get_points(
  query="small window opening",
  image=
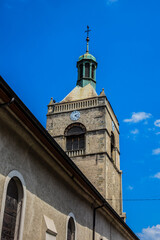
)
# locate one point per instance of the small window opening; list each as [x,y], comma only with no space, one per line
[71,229]
[81,70]
[12,211]
[87,70]
[112,145]
[93,71]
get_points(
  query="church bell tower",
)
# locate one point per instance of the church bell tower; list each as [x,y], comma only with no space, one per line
[86,127]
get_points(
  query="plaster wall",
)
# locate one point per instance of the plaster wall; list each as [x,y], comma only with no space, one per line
[50,190]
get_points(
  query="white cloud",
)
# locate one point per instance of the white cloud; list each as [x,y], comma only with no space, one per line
[130,187]
[150,233]
[156,151]
[135,131]
[157,175]
[137,117]
[157,133]
[111,1]
[157,123]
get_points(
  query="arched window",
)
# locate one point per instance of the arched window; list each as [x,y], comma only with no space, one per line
[71,229]
[93,71]
[81,70]
[75,137]
[12,210]
[87,70]
[112,145]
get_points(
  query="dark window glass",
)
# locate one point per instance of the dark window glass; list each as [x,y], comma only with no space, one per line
[75,138]
[75,130]
[10,212]
[81,70]
[69,143]
[81,142]
[112,144]
[87,70]
[75,143]
[71,230]
[93,69]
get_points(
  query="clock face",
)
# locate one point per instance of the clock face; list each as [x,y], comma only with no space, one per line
[113,126]
[75,115]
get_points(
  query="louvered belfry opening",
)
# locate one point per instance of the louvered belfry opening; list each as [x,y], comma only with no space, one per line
[81,70]
[12,211]
[87,70]
[93,71]
[71,229]
[75,137]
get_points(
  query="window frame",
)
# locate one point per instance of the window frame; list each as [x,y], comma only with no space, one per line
[14,174]
[71,215]
[73,138]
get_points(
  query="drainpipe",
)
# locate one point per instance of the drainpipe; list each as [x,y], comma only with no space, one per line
[94,219]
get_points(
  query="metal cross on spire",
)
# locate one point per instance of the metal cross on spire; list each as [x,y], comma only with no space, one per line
[87,39]
[87,31]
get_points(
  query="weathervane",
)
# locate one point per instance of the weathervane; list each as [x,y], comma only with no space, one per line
[87,39]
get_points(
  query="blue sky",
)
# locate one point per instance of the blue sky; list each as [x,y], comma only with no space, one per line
[40,43]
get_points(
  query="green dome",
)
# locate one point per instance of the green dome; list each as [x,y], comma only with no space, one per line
[87,56]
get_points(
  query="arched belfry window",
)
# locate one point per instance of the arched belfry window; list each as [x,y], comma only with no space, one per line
[93,71]
[87,70]
[71,229]
[112,145]
[75,137]
[12,210]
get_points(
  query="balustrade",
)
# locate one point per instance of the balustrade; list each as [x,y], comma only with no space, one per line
[73,106]
[76,153]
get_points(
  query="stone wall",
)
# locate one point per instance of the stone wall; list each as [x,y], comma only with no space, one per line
[95,161]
